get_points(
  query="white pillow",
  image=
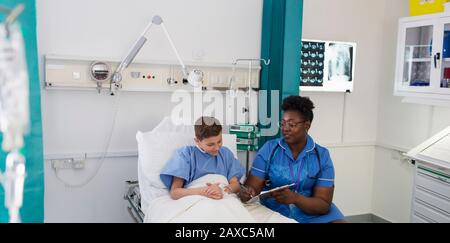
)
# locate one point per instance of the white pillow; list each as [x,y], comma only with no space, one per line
[155,149]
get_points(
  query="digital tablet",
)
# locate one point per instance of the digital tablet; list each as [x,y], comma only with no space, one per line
[265,194]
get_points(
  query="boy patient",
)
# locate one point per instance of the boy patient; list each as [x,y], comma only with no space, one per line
[206,157]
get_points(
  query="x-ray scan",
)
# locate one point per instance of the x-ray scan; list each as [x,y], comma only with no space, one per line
[312,55]
[340,62]
[327,65]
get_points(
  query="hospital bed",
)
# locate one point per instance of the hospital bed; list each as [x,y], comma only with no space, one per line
[260,213]
[148,200]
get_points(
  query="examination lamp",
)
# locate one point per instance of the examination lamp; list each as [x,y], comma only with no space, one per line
[195,77]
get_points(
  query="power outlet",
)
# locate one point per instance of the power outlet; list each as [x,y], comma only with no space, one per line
[62,164]
[59,164]
[79,164]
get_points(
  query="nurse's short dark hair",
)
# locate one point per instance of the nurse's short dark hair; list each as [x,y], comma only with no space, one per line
[206,127]
[302,105]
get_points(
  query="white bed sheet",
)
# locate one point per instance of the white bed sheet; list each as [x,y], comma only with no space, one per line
[200,209]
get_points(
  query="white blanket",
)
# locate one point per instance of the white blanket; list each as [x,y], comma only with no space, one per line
[198,209]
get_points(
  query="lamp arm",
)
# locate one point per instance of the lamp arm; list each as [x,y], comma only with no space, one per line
[195,77]
[131,55]
[116,77]
[183,67]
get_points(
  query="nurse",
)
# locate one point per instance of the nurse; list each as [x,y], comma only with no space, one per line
[208,156]
[295,158]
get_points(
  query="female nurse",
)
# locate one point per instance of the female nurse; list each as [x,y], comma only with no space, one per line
[295,158]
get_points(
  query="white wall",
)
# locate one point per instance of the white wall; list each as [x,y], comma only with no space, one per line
[347,123]
[399,125]
[79,122]
[354,173]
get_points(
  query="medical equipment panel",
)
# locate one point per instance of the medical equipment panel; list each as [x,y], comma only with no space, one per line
[80,73]
[243,128]
[247,136]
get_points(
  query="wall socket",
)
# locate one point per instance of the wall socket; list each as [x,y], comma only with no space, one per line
[59,164]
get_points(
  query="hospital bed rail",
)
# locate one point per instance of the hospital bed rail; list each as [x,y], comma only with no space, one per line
[133,198]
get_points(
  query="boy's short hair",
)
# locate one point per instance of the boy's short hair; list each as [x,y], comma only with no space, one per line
[206,127]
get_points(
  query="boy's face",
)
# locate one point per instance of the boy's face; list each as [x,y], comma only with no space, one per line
[210,145]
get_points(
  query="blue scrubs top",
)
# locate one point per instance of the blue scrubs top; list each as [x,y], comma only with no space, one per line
[304,171]
[191,163]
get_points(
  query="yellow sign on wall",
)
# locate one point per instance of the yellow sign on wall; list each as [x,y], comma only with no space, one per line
[421,7]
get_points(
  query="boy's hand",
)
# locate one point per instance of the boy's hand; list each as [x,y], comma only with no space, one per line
[213,191]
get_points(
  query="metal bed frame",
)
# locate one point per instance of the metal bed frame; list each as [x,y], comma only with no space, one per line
[133,198]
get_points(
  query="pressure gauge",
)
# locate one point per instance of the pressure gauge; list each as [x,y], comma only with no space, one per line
[100,71]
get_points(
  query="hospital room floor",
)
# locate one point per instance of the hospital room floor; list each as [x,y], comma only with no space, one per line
[365,218]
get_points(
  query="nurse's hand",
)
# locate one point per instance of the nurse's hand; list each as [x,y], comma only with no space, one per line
[246,193]
[285,196]
[213,191]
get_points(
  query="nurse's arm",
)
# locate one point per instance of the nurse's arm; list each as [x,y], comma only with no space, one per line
[319,203]
[255,182]
[177,190]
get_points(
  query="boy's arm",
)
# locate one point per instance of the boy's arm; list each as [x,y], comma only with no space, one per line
[233,186]
[177,190]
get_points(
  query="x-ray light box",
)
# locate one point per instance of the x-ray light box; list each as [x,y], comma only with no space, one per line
[327,66]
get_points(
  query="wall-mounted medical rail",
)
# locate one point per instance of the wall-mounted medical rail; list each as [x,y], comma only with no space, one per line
[84,73]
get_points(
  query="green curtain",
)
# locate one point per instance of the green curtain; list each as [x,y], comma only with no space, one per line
[281,43]
[33,203]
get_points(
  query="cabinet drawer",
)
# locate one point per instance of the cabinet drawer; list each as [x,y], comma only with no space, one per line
[440,187]
[433,199]
[430,213]
[418,218]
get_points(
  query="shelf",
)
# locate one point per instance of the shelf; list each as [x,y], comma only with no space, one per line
[422,60]
[414,46]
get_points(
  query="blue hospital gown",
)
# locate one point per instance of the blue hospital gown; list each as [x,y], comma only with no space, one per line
[191,163]
[285,170]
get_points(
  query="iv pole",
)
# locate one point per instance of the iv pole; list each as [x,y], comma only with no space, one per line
[249,87]
[14,111]
[12,16]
